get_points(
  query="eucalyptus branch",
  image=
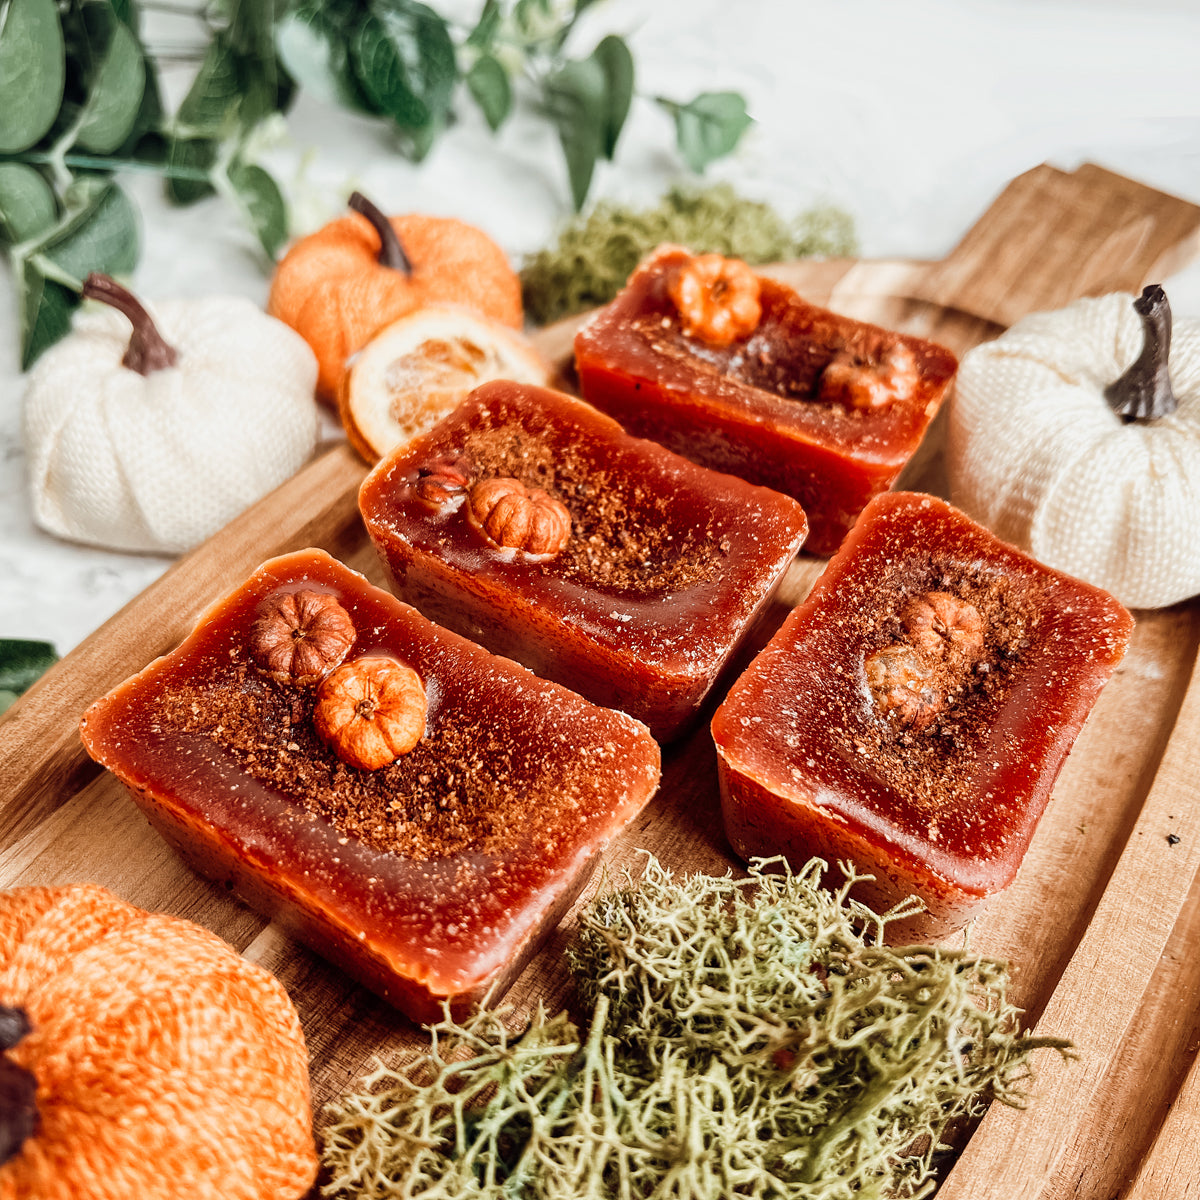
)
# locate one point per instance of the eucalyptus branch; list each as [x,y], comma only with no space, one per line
[98,162]
[64,147]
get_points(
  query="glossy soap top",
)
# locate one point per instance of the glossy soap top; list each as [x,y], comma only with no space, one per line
[663,570]
[921,701]
[750,407]
[437,866]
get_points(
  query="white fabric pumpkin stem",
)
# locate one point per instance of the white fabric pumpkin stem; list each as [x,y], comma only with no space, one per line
[391,249]
[148,350]
[1144,392]
[18,1087]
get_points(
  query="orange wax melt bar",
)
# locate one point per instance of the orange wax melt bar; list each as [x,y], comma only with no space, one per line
[429,875]
[531,523]
[913,713]
[823,408]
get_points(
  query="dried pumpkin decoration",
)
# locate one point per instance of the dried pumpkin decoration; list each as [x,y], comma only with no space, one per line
[339,286]
[299,636]
[870,379]
[717,298]
[371,711]
[140,1056]
[514,516]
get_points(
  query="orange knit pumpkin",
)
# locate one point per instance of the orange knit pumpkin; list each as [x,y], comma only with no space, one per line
[162,1065]
[340,285]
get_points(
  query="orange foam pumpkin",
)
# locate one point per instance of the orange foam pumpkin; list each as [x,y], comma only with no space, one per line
[140,1056]
[340,285]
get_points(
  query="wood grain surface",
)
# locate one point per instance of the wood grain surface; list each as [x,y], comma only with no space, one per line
[1103,924]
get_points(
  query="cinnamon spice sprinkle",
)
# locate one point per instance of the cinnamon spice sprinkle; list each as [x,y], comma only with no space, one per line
[624,536]
[937,759]
[446,796]
[774,359]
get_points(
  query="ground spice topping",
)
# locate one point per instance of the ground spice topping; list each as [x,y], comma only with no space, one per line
[440,798]
[606,549]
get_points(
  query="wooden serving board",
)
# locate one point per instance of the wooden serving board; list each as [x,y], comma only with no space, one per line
[1103,924]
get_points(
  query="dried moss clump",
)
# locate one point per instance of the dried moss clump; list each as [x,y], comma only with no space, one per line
[595,253]
[748,1038]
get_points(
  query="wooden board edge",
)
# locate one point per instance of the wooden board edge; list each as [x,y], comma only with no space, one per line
[1096,1000]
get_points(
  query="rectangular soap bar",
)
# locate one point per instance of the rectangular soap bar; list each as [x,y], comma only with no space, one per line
[912,714]
[662,571]
[430,879]
[823,408]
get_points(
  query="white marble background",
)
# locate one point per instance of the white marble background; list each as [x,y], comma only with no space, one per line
[910,115]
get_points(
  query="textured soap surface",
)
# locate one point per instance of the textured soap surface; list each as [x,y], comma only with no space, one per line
[941,798]
[428,879]
[667,568]
[751,408]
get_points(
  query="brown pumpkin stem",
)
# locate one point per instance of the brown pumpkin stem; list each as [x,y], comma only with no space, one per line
[18,1087]
[1144,392]
[391,249]
[148,351]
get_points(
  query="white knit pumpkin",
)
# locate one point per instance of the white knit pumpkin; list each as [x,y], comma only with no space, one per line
[1036,454]
[159,462]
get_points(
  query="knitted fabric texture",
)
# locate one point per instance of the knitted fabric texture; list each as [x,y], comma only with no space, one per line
[167,1067]
[1036,454]
[162,461]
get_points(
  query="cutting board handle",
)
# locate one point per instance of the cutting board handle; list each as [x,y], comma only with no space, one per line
[1052,236]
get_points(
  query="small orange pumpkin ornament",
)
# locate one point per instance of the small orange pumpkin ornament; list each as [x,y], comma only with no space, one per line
[339,286]
[140,1056]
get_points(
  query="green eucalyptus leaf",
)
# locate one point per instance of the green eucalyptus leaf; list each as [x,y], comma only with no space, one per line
[709,127]
[45,312]
[488,82]
[250,31]
[32,71]
[240,81]
[419,142]
[576,100]
[312,45]
[262,205]
[486,28]
[78,203]
[617,64]
[259,92]
[230,91]
[146,141]
[118,81]
[90,35]
[23,663]
[210,107]
[404,58]
[98,232]
[103,236]
[27,204]
[380,71]
[189,161]
[7,700]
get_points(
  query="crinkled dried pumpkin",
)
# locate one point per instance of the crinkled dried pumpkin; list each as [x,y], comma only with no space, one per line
[339,286]
[140,1056]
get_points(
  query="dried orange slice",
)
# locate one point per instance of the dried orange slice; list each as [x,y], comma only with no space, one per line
[416,370]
